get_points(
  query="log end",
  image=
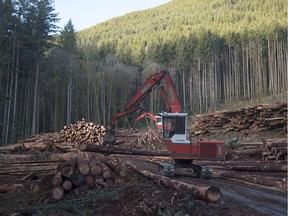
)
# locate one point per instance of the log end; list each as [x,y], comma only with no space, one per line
[213,194]
[57,193]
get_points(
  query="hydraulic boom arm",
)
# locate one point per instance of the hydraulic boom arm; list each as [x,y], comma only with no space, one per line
[171,100]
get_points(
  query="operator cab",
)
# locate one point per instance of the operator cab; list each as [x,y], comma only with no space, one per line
[174,127]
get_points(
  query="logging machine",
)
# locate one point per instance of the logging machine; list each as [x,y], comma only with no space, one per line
[173,124]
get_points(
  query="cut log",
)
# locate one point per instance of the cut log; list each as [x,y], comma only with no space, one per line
[68,167]
[67,185]
[115,165]
[251,152]
[117,150]
[57,193]
[261,168]
[99,180]
[83,164]
[107,173]
[57,179]
[95,166]
[210,194]
[9,188]
[77,179]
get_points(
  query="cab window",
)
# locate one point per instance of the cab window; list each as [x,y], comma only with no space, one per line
[168,127]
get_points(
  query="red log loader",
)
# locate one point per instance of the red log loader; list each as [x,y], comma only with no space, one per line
[174,130]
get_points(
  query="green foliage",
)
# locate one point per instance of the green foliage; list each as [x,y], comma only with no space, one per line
[67,38]
[162,26]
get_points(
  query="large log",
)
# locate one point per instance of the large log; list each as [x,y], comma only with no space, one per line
[67,185]
[117,150]
[68,167]
[250,152]
[260,168]
[95,166]
[77,179]
[83,163]
[57,193]
[57,179]
[210,194]
[106,173]
[254,166]
[10,187]
[117,166]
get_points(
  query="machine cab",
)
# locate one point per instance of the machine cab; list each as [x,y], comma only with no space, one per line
[174,127]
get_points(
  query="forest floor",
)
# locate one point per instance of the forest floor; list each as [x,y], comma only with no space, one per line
[141,196]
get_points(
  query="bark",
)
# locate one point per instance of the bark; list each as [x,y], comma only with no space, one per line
[68,168]
[116,166]
[95,166]
[9,188]
[210,194]
[117,150]
[83,164]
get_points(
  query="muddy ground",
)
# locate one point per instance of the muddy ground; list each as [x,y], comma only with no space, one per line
[141,196]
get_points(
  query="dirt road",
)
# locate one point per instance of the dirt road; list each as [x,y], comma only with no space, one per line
[258,200]
[262,200]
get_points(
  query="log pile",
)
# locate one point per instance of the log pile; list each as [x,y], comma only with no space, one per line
[30,169]
[276,149]
[269,149]
[47,142]
[258,118]
[84,132]
[85,168]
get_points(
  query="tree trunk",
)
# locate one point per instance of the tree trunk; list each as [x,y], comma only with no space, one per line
[35,100]
[116,150]
[210,194]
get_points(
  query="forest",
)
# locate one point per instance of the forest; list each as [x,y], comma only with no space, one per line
[216,51]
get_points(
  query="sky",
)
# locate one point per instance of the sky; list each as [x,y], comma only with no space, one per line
[87,13]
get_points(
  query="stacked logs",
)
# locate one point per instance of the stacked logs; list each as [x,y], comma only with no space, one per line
[259,118]
[244,150]
[84,132]
[276,149]
[85,168]
[46,142]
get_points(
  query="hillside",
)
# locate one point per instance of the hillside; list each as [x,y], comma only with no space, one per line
[180,18]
